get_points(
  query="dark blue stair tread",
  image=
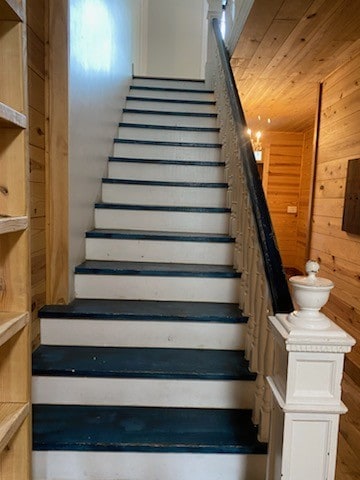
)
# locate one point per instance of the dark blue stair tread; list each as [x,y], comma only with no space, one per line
[167,162]
[168,127]
[163,236]
[169,89]
[172,100]
[104,267]
[146,310]
[170,79]
[128,362]
[157,183]
[167,144]
[144,429]
[176,114]
[161,208]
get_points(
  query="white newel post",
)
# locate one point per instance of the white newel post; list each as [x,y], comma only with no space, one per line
[306,385]
[214,11]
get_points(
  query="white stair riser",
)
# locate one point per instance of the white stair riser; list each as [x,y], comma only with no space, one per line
[170,173]
[154,334]
[168,135]
[202,96]
[140,392]
[165,83]
[67,465]
[164,152]
[166,221]
[165,196]
[170,106]
[159,251]
[170,120]
[183,289]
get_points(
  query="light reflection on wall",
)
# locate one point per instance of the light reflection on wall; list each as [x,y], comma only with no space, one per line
[91,34]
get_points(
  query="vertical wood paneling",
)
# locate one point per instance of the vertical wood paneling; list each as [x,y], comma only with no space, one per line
[283,153]
[338,252]
[57,241]
[302,236]
[36,93]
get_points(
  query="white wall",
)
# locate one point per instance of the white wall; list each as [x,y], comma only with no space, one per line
[103,42]
[176,38]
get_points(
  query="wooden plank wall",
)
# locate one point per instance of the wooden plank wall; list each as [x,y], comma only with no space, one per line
[282,176]
[338,251]
[302,235]
[36,92]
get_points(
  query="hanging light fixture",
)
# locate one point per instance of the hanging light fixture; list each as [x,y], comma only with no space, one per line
[256,140]
[256,144]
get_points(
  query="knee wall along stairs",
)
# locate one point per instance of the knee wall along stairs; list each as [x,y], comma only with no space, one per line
[143,375]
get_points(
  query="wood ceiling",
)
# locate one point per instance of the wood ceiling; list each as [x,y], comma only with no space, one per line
[285,49]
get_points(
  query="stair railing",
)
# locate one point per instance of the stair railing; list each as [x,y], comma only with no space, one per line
[264,290]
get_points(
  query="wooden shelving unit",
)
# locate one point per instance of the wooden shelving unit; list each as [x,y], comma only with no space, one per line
[15,438]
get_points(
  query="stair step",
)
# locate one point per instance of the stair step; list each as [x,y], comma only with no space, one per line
[167,377]
[140,131]
[156,281]
[170,118]
[167,150]
[90,465]
[164,363]
[155,269]
[143,429]
[145,310]
[145,246]
[163,236]
[165,170]
[172,92]
[192,84]
[167,144]
[154,217]
[168,105]
[99,322]
[115,190]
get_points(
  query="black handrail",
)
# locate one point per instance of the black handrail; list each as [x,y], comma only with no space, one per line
[280,295]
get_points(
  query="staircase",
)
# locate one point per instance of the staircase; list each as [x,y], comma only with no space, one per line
[143,375]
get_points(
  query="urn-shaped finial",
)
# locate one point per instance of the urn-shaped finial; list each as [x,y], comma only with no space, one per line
[310,293]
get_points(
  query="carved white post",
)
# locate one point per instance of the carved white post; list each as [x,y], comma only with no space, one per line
[306,385]
[214,11]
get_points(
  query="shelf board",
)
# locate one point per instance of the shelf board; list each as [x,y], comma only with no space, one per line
[13,224]
[11,10]
[10,118]
[11,323]
[12,416]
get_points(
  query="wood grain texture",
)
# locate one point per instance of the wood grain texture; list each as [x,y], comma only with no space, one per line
[285,50]
[15,460]
[282,176]
[13,224]
[11,417]
[37,140]
[11,10]
[11,66]
[303,218]
[56,84]
[347,467]
[338,251]
[11,118]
